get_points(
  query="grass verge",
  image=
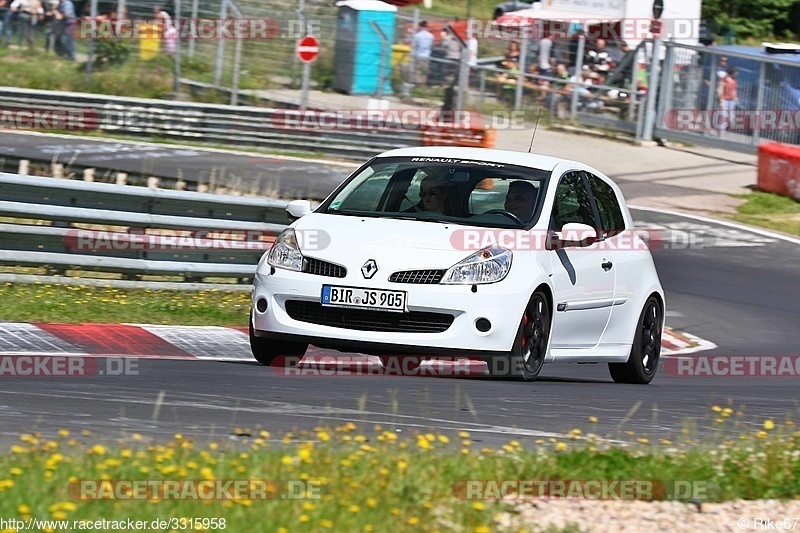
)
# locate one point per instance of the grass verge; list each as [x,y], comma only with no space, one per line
[366,479]
[770,211]
[82,303]
[478,9]
[40,70]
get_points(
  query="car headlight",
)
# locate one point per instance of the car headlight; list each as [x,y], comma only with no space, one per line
[285,253]
[489,265]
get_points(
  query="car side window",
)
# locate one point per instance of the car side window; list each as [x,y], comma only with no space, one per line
[607,206]
[572,203]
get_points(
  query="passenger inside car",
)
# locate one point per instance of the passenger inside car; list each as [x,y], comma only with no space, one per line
[436,194]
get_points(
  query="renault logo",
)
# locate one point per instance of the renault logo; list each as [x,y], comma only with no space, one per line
[369,268]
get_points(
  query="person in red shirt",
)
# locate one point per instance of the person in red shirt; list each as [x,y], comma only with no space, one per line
[727,91]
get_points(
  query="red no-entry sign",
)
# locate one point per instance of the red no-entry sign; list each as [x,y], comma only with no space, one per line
[308,49]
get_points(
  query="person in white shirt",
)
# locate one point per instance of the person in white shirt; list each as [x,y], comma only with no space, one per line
[421,46]
[545,49]
[28,12]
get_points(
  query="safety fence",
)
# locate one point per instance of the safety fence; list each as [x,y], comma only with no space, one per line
[728,98]
[604,82]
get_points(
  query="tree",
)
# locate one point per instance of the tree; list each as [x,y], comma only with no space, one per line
[750,18]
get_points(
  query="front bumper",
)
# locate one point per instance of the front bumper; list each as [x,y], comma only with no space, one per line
[501,303]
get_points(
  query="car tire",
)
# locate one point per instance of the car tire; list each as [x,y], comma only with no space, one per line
[407,365]
[530,345]
[265,351]
[642,364]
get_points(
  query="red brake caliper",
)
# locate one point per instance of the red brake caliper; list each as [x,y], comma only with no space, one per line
[524,330]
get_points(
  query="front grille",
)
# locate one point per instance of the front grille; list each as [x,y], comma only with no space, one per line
[429,277]
[323,268]
[368,320]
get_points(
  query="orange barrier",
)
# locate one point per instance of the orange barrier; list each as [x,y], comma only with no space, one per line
[779,169]
[448,134]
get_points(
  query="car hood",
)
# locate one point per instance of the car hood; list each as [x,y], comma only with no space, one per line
[339,236]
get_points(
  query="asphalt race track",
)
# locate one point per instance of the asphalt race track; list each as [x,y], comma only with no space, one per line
[735,288]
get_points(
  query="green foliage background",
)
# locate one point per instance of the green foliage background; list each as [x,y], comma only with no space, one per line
[754,19]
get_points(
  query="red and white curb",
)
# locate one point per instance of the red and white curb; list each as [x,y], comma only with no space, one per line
[209,343]
[681,343]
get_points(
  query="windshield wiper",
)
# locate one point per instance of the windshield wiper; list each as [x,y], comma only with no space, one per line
[422,216]
[353,213]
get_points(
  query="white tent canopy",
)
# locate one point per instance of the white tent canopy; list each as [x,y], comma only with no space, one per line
[527,17]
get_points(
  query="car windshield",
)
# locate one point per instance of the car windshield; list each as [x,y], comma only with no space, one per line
[439,189]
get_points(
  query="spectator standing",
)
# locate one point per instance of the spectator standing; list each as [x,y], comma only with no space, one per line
[472,48]
[627,70]
[50,8]
[65,27]
[4,14]
[437,66]
[168,32]
[421,46]
[10,21]
[7,21]
[722,68]
[597,57]
[728,92]
[452,52]
[545,50]
[28,13]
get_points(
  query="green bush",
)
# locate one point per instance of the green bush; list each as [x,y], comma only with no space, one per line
[110,52]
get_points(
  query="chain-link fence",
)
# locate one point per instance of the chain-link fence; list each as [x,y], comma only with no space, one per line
[731,97]
[727,96]
[565,78]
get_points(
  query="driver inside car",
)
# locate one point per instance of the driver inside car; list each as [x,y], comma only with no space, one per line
[521,199]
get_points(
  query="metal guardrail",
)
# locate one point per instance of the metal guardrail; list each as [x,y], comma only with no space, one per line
[63,225]
[223,124]
[209,123]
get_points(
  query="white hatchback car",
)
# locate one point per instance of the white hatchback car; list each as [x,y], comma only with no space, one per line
[517,259]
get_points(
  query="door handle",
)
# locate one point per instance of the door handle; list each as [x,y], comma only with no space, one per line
[607,265]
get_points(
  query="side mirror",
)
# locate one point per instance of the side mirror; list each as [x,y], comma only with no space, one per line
[573,235]
[298,208]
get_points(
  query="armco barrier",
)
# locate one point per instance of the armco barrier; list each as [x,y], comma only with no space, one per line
[188,234]
[779,169]
[237,125]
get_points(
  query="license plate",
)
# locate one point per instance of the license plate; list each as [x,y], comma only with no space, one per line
[356,298]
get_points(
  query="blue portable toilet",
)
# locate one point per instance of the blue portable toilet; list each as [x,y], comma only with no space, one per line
[361,49]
